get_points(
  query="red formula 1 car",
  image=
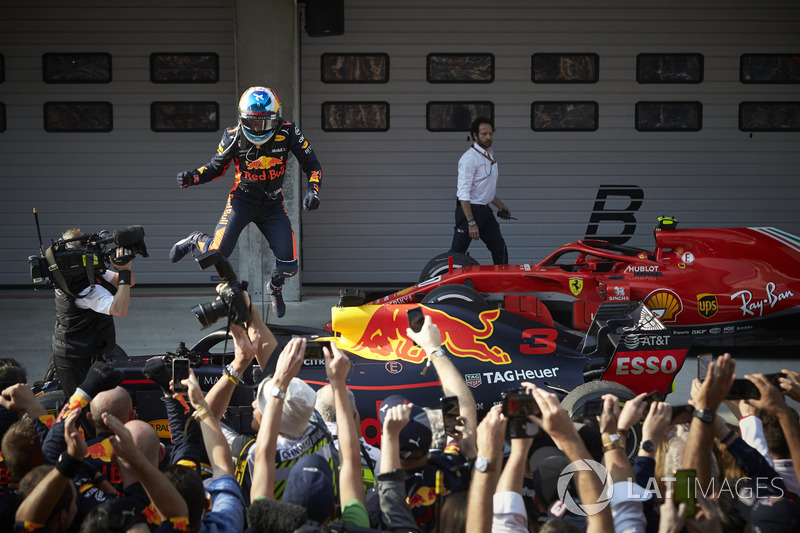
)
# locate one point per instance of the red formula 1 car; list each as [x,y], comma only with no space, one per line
[593,317]
[734,289]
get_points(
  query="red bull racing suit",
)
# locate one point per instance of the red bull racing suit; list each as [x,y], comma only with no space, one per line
[256,195]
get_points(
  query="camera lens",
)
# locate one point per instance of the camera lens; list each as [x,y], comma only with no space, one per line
[210,312]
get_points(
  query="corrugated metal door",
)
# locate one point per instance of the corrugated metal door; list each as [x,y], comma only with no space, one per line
[388,197]
[125,176]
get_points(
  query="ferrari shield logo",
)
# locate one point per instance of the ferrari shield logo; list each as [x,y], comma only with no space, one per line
[575,285]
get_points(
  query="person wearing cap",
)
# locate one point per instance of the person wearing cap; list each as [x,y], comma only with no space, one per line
[415,438]
[310,482]
[370,455]
[283,412]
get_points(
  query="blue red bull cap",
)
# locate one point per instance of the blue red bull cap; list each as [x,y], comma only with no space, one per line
[417,434]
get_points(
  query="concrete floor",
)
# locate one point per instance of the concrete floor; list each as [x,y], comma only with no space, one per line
[158,319]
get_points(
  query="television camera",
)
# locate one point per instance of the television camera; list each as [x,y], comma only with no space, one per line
[67,260]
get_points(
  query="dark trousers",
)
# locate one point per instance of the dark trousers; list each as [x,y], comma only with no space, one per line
[71,371]
[488,228]
[270,216]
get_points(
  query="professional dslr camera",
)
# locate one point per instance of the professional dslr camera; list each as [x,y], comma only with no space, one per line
[62,263]
[231,302]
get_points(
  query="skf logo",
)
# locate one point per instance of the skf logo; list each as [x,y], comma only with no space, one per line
[394,367]
[707,305]
[665,304]
[575,285]
[473,380]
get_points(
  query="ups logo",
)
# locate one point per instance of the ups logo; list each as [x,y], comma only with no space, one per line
[707,305]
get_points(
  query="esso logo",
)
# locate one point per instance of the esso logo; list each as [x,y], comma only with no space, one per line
[646,365]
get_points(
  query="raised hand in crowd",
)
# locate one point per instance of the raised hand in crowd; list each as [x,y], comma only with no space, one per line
[790,385]
[706,399]
[555,420]
[491,440]
[217,449]
[166,499]
[286,368]
[429,338]
[655,425]
[19,398]
[773,402]
[351,485]
[631,414]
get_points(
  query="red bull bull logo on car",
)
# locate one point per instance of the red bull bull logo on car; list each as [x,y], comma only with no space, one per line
[384,335]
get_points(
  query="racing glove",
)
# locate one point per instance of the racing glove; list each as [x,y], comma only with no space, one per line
[155,369]
[311,201]
[187,178]
[101,377]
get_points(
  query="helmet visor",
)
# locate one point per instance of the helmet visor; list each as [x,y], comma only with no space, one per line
[259,125]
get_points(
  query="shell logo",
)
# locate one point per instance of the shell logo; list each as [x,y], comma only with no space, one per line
[665,304]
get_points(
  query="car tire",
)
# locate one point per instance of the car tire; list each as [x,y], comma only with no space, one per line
[439,264]
[577,398]
[53,401]
[456,294]
[50,373]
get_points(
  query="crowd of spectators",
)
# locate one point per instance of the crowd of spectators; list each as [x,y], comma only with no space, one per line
[93,467]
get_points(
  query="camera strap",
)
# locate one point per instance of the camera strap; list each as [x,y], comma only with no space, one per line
[56,272]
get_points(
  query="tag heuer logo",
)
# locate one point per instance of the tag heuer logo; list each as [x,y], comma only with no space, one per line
[575,285]
[473,380]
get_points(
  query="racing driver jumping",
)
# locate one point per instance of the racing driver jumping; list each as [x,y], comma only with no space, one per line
[259,145]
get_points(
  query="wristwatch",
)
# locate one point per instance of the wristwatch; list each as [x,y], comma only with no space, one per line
[482,464]
[277,392]
[471,222]
[648,446]
[706,415]
[438,352]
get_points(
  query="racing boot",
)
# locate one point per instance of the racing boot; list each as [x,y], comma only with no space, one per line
[278,305]
[183,247]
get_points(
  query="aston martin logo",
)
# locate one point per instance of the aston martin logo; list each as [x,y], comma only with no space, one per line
[575,285]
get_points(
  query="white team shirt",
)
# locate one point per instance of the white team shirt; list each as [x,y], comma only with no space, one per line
[477,176]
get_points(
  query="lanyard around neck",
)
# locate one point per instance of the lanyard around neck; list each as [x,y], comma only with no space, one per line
[484,154]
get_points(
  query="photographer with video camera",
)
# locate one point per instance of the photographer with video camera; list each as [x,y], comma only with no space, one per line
[85,306]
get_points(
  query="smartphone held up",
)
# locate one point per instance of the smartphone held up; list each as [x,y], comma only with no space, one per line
[180,371]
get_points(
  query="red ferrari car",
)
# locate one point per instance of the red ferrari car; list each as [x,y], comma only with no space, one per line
[732,289]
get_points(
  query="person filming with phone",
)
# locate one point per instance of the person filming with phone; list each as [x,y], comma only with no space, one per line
[419,467]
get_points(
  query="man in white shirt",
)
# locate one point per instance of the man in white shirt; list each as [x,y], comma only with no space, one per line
[477,184]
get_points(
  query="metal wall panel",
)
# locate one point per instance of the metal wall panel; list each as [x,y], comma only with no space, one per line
[388,198]
[126,176]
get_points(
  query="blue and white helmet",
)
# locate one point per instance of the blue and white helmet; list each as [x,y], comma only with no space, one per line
[259,111]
